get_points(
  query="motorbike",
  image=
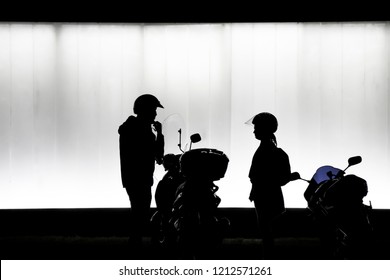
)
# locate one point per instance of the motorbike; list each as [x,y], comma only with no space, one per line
[165,195]
[186,219]
[335,202]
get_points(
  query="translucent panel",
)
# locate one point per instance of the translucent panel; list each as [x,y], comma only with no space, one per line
[66,88]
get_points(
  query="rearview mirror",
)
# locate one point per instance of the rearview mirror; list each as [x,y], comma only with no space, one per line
[195,138]
[354,160]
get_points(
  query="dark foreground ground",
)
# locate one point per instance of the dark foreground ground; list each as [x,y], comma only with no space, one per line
[102,234]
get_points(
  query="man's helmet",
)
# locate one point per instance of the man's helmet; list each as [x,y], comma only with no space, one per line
[146,101]
[267,121]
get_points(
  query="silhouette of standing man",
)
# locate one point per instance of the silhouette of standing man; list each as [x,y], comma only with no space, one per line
[270,170]
[141,144]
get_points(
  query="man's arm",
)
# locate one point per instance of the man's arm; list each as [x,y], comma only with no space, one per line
[159,142]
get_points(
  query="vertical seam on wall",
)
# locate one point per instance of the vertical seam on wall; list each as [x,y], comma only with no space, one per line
[78,107]
[321,88]
[275,64]
[187,117]
[97,97]
[387,28]
[165,62]
[11,100]
[56,28]
[34,97]
[342,78]
[209,85]
[231,27]
[253,66]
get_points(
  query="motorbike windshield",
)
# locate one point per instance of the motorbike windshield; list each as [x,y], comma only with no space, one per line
[322,173]
[170,128]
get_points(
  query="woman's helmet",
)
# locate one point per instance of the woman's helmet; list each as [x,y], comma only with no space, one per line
[145,102]
[266,121]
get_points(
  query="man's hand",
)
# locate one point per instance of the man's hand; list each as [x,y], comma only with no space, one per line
[157,126]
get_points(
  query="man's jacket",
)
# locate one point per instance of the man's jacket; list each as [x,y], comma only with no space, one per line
[139,149]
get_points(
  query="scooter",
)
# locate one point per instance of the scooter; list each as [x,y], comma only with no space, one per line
[335,202]
[162,232]
[165,195]
[194,216]
[191,227]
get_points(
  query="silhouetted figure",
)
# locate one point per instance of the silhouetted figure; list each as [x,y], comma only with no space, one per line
[165,196]
[141,144]
[270,170]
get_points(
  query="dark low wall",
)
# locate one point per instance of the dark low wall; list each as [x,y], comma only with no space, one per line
[114,222]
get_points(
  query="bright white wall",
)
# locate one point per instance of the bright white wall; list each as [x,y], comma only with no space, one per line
[65,89]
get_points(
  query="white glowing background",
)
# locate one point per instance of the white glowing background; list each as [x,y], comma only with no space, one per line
[65,89]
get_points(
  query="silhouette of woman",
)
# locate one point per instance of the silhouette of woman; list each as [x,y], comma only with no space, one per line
[270,170]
